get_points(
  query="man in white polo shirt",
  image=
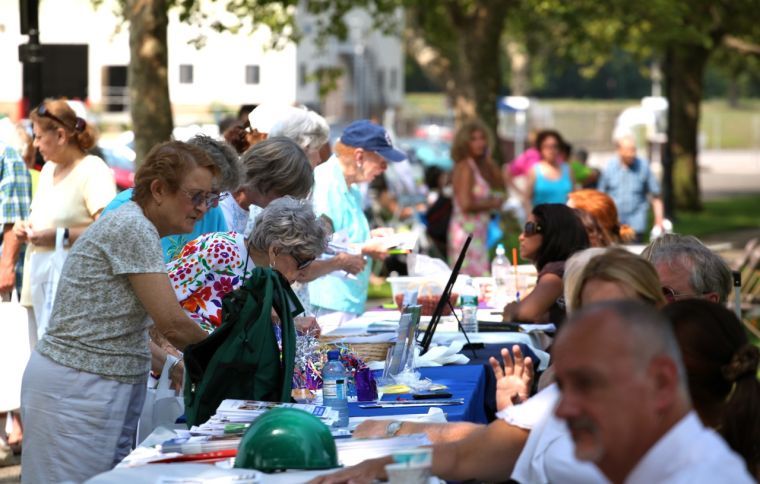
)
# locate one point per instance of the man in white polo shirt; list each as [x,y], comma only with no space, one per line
[625,400]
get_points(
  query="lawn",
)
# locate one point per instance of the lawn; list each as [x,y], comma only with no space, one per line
[721,216]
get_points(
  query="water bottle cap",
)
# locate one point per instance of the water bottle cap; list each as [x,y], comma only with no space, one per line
[500,249]
[333,355]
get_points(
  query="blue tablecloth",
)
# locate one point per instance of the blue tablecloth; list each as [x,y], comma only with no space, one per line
[466,381]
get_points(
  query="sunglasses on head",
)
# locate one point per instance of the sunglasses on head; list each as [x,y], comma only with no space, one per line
[209,199]
[79,125]
[302,264]
[532,228]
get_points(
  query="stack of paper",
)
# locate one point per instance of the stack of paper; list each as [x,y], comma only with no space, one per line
[231,412]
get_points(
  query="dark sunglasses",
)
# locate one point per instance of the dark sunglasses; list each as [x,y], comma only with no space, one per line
[302,264]
[79,125]
[209,199]
[532,228]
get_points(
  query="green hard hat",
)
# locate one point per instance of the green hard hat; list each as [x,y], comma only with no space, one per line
[286,438]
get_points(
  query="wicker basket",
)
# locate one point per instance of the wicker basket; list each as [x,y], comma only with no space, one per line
[366,351]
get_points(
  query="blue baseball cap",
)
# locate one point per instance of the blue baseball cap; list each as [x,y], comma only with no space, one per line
[371,137]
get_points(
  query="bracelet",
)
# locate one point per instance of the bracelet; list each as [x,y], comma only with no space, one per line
[177,361]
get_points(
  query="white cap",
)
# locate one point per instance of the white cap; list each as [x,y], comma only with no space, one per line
[266,115]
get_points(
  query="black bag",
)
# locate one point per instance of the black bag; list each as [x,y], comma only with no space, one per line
[241,358]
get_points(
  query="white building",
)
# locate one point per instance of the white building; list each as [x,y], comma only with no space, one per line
[229,70]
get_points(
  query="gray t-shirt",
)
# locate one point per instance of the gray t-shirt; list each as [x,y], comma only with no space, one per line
[98,324]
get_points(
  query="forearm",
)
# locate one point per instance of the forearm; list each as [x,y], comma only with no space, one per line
[10,249]
[182,332]
[659,210]
[441,432]
[321,267]
[477,206]
[486,455]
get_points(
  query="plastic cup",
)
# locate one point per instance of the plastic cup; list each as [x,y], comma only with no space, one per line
[408,474]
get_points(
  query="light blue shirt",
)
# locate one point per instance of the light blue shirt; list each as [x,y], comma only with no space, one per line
[343,204]
[213,221]
[630,187]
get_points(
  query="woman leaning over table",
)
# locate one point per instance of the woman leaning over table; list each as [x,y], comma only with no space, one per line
[73,188]
[287,237]
[551,235]
[85,384]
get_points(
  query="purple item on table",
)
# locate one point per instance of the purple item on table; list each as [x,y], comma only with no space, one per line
[366,388]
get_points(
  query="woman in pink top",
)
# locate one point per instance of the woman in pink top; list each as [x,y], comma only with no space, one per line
[475,176]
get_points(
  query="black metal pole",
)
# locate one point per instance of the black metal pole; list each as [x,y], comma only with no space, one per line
[30,54]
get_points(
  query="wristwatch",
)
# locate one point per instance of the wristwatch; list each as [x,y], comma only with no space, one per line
[393,428]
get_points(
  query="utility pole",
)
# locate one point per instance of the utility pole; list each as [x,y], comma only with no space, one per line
[30,54]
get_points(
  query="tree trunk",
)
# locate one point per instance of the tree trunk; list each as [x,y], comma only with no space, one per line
[684,76]
[147,75]
[519,65]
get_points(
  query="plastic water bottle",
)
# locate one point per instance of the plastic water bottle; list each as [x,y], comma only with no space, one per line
[470,306]
[335,387]
[500,268]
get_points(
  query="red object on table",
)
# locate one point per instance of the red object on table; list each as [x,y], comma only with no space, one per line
[202,457]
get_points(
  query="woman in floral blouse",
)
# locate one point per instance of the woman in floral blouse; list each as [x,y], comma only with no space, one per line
[287,237]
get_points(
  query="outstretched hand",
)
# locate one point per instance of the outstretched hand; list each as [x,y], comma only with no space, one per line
[367,472]
[514,380]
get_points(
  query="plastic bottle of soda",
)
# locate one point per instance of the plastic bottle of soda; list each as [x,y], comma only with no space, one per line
[500,269]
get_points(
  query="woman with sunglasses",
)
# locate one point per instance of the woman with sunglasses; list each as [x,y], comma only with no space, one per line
[287,237]
[85,383]
[551,235]
[73,187]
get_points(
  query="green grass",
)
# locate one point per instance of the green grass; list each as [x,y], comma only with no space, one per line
[720,216]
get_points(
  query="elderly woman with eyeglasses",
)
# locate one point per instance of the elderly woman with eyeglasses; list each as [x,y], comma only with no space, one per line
[85,383]
[551,235]
[287,237]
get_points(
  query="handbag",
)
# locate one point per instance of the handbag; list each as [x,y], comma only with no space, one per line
[45,272]
[241,358]
[14,351]
[162,405]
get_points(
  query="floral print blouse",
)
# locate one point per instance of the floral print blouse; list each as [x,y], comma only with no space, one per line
[207,269]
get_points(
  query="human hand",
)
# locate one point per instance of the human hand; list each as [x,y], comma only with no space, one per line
[308,324]
[21,230]
[177,376]
[497,202]
[351,263]
[510,311]
[366,472]
[381,232]
[371,429]
[514,381]
[375,250]
[7,279]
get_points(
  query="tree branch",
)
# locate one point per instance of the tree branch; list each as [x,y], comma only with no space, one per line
[741,46]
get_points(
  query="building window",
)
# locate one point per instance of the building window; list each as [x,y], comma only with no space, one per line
[302,74]
[394,79]
[252,74]
[381,79]
[185,74]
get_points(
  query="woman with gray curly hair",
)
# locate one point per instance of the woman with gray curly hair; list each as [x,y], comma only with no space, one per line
[288,237]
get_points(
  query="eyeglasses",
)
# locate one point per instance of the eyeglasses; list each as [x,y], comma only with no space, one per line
[79,125]
[210,199]
[302,264]
[532,228]
[671,295]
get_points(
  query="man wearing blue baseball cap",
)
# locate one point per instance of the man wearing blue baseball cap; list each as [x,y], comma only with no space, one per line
[361,154]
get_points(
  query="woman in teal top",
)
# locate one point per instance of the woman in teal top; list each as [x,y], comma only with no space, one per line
[550,180]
